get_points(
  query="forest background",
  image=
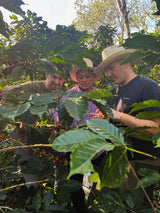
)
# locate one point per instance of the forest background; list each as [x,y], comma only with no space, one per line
[23,45]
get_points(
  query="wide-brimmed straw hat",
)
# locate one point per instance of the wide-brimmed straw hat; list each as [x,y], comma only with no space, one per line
[90,67]
[114,53]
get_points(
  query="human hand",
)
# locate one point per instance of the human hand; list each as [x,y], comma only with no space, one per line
[97,114]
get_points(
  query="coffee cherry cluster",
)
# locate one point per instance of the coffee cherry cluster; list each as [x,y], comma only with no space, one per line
[58,127]
[3,136]
[49,156]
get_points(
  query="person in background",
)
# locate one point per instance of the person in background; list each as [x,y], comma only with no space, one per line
[52,83]
[131,88]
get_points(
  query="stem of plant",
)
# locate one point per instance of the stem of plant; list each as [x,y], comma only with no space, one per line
[148,198]
[25,146]
[24,184]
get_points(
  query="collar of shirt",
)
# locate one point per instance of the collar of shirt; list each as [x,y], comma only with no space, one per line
[77,89]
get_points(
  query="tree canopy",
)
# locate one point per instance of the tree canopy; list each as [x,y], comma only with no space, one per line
[93,13]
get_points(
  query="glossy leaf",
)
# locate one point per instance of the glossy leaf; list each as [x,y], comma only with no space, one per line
[135,129]
[41,99]
[12,6]
[23,48]
[144,105]
[103,107]
[76,107]
[148,115]
[57,94]
[64,117]
[4,30]
[47,66]
[115,169]
[129,198]
[48,197]
[151,59]
[150,177]
[12,112]
[143,42]
[81,163]
[100,94]
[94,177]
[139,136]
[38,110]
[106,130]
[111,202]
[156,139]
[135,56]
[70,139]
[24,97]
[81,63]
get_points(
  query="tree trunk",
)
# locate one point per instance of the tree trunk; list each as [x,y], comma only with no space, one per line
[124,13]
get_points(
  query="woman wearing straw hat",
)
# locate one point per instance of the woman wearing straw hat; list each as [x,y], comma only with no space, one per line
[131,89]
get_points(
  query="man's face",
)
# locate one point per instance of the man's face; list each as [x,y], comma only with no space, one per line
[117,73]
[85,80]
[54,82]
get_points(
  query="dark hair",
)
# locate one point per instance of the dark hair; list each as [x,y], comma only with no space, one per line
[85,71]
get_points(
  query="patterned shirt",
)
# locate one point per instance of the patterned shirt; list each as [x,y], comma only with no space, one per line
[91,108]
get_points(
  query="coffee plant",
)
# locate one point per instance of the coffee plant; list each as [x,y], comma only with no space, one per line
[23,118]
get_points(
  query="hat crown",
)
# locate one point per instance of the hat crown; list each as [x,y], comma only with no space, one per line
[111,50]
[88,61]
[90,67]
[115,53]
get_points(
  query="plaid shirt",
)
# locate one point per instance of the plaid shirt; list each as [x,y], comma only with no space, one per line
[91,108]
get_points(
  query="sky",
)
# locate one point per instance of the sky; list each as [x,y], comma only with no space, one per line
[53,11]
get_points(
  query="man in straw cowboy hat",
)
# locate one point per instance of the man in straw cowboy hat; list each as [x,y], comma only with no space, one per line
[131,89]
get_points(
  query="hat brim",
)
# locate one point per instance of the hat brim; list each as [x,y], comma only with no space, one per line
[76,69]
[117,56]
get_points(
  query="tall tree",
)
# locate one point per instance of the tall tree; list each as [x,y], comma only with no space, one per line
[124,13]
[126,16]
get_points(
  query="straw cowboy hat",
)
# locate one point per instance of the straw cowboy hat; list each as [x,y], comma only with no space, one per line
[114,53]
[90,67]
